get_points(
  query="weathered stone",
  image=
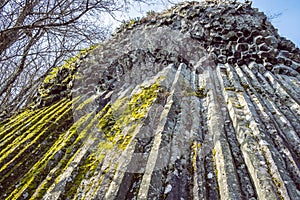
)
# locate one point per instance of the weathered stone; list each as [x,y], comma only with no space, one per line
[200,102]
[263,47]
[271,41]
[286,45]
[198,33]
[222,59]
[254,67]
[242,47]
[258,39]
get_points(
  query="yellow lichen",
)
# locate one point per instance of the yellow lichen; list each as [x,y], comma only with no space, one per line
[127,112]
[195,147]
[61,143]
[33,133]
[85,103]
[117,121]
[69,66]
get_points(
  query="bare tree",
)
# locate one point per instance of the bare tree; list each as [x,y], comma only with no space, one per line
[271,16]
[37,35]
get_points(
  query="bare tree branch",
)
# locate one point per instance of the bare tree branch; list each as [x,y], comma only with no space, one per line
[36,36]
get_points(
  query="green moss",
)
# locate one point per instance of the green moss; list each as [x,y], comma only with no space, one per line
[85,103]
[195,147]
[31,180]
[130,23]
[14,120]
[247,124]
[127,112]
[82,171]
[229,88]
[34,132]
[124,114]
[17,125]
[68,68]
[245,86]
[68,64]
[88,164]
[32,177]
[201,93]
[239,106]
[277,183]
[259,90]
[214,152]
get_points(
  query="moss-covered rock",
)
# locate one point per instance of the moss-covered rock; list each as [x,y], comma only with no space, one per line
[198,102]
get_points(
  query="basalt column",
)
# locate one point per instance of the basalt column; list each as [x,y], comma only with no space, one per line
[201,101]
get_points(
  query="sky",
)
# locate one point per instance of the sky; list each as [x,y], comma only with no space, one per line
[288,23]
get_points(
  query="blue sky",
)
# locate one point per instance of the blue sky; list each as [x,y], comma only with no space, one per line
[288,24]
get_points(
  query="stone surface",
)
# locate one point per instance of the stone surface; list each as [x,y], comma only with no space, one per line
[198,102]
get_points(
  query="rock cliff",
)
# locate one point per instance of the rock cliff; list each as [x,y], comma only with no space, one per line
[198,102]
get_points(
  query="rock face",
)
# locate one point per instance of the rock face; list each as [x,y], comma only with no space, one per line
[198,102]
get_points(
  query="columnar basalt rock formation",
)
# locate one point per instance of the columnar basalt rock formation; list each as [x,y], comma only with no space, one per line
[198,102]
